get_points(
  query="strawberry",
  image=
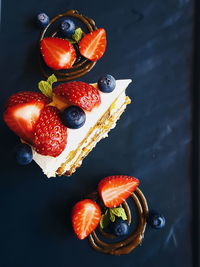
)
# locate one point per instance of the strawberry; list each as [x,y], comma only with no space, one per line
[80,94]
[50,135]
[115,189]
[57,53]
[22,111]
[86,216]
[93,45]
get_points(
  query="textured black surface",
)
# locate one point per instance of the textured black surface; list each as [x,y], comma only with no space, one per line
[150,42]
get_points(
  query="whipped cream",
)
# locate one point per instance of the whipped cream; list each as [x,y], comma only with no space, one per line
[50,164]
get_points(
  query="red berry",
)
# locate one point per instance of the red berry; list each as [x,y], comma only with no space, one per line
[115,189]
[57,53]
[22,111]
[86,216]
[80,94]
[93,45]
[50,137]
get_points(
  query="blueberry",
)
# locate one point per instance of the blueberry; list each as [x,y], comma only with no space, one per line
[107,83]
[23,154]
[119,227]
[155,220]
[67,27]
[73,117]
[42,20]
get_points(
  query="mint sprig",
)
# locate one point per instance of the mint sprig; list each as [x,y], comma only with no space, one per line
[46,86]
[110,216]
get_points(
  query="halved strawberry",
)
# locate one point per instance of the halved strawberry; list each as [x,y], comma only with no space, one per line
[115,189]
[86,216]
[80,94]
[50,136]
[22,111]
[57,53]
[93,45]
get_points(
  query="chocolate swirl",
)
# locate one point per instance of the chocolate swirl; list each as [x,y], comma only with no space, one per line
[127,245]
[80,67]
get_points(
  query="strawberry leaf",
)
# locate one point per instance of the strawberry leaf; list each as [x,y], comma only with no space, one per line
[46,86]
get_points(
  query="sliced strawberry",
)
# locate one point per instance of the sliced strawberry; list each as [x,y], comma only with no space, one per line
[115,189]
[57,53]
[93,45]
[80,94]
[22,111]
[86,216]
[50,137]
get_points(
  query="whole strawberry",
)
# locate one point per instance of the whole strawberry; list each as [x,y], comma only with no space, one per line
[80,94]
[50,137]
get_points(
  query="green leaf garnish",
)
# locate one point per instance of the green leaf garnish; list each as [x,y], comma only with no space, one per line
[119,212]
[78,34]
[52,79]
[46,86]
[110,215]
[105,220]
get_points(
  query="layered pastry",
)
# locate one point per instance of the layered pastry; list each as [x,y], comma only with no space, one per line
[106,216]
[70,44]
[60,126]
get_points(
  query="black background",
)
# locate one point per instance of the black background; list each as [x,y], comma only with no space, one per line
[150,42]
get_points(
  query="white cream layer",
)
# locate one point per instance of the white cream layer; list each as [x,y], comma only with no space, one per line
[50,164]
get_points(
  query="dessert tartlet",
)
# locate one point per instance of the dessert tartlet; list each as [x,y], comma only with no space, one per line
[70,45]
[114,218]
[63,124]
[109,216]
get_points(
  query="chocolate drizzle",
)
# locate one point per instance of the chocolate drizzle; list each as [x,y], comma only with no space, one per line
[133,240]
[80,67]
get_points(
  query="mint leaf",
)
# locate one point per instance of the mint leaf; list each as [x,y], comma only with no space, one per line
[112,216]
[105,220]
[52,79]
[119,212]
[46,86]
[78,34]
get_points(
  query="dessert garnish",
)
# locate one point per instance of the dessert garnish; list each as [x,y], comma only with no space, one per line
[57,53]
[73,117]
[42,20]
[50,134]
[67,49]
[22,112]
[106,83]
[23,154]
[115,219]
[63,123]
[155,219]
[86,215]
[80,94]
[67,28]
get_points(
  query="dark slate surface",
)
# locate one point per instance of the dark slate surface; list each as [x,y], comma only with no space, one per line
[150,42]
